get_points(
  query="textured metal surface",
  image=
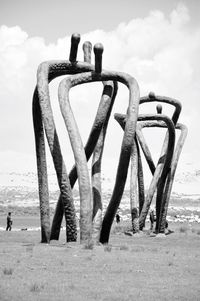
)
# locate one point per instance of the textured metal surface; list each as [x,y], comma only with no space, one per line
[42,170]
[162,168]
[98,132]
[91,224]
[47,71]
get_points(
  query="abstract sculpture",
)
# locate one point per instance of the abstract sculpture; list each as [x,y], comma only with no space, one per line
[92,227]
[162,175]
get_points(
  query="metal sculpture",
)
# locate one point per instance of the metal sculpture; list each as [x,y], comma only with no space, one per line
[101,75]
[41,96]
[91,224]
[42,115]
[99,129]
[158,180]
[152,98]
[162,179]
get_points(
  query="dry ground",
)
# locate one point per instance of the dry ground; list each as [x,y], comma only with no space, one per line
[129,268]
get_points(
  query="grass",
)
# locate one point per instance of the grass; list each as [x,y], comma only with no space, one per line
[107,248]
[89,245]
[195,231]
[72,271]
[183,229]
[124,248]
[29,248]
[120,228]
[170,263]
[8,271]
[36,288]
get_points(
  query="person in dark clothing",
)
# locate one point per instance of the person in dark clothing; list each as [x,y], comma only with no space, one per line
[152,217]
[117,218]
[9,222]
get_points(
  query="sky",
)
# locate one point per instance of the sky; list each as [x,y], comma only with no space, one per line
[157,42]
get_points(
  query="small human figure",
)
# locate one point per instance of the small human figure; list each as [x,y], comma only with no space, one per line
[9,222]
[117,218]
[167,231]
[152,217]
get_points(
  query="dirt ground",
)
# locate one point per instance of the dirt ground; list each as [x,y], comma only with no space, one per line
[129,268]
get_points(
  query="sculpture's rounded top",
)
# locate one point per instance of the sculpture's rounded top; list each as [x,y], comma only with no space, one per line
[75,38]
[159,109]
[98,49]
[87,50]
[87,44]
[152,95]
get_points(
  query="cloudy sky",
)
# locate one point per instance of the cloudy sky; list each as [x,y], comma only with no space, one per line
[157,42]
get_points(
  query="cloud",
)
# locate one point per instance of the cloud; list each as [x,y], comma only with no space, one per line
[13,36]
[158,50]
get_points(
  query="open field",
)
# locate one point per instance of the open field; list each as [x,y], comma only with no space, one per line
[129,268]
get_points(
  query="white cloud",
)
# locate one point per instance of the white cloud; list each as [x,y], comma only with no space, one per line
[159,51]
[180,15]
[13,36]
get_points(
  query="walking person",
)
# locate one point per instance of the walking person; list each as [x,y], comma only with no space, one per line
[9,222]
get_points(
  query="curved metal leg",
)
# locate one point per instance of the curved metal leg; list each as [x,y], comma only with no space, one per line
[42,170]
[47,72]
[127,141]
[96,173]
[170,178]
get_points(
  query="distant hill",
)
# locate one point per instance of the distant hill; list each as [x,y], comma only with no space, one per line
[23,187]
[185,182]
[19,194]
